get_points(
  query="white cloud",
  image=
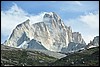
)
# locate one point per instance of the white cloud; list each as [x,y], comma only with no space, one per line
[10,18]
[91,19]
[37,18]
[78,3]
[87,25]
[14,16]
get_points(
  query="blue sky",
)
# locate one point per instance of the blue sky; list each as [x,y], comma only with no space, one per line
[82,16]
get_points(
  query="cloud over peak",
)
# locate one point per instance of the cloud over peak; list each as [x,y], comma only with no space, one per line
[87,24]
[14,16]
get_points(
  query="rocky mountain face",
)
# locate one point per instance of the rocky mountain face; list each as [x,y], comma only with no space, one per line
[77,44]
[93,43]
[96,41]
[50,34]
[77,38]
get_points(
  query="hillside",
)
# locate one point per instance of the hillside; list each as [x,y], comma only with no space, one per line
[20,57]
[89,57]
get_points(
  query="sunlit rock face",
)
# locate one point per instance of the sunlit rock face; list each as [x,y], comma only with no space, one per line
[93,43]
[77,38]
[96,41]
[51,34]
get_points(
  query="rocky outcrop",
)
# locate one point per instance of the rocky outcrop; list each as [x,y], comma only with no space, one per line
[73,47]
[21,33]
[94,43]
[77,38]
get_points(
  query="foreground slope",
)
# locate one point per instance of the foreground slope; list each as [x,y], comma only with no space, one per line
[20,57]
[88,57]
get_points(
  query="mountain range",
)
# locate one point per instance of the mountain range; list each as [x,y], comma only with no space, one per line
[50,34]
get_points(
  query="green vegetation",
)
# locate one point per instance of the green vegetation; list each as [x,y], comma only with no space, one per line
[88,57]
[22,57]
[25,57]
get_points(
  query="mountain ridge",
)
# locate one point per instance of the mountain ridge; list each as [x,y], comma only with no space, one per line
[51,33]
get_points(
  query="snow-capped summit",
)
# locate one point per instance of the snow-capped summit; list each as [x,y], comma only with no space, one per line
[51,34]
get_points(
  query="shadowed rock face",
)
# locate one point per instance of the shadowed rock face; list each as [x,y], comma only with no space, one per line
[73,47]
[51,32]
[35,45]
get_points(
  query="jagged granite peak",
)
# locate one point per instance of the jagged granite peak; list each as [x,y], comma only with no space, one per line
[96,41]
[51,15]
[77,38]
[93,43]
[26,23]
[23,30]
[51,32]
[76,44]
